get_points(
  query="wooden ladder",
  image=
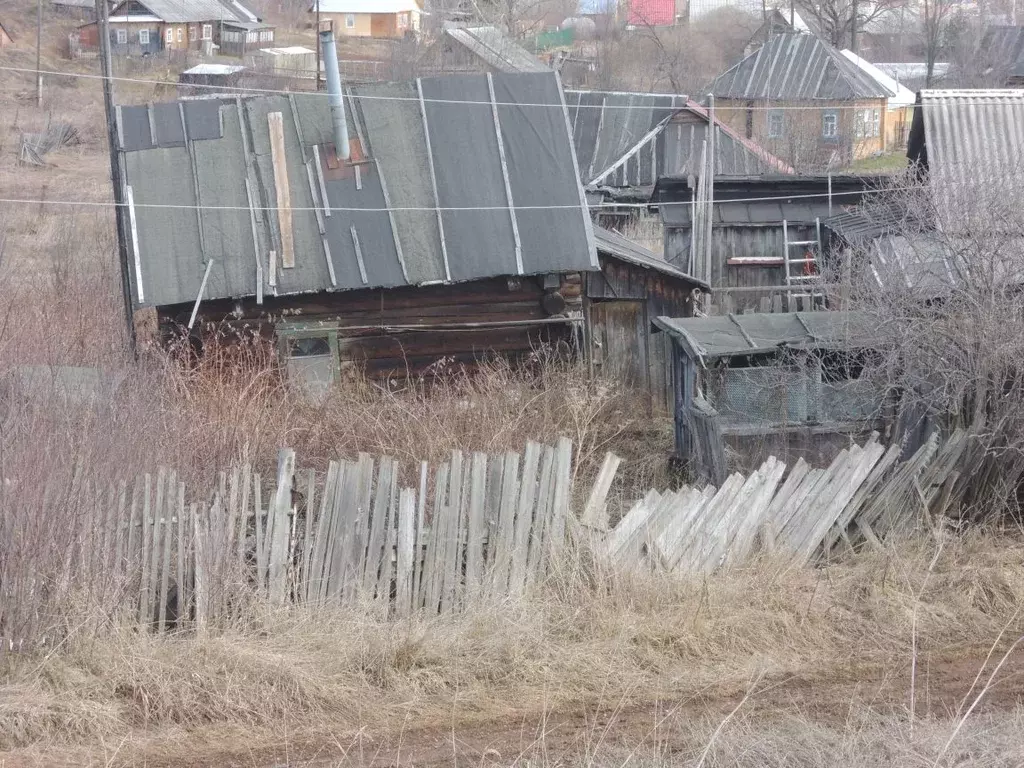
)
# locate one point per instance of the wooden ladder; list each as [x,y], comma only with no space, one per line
[801,272]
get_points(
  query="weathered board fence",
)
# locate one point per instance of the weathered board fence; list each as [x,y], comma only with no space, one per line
[480,525]
[866,494]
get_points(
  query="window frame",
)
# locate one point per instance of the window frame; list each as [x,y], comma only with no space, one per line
[141,40]
[181,34]
[779,117]
[350,21]
[169,36]
[207,32]
[830,117]
[287,333]
[121,35]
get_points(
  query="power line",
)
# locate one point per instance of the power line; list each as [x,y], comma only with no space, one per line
[230,90]
[174,206]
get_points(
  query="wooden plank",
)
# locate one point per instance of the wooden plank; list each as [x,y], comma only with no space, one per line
[132,561]
[281,509]
[492,508]
[201,586]
[140,295]
[475,524]
[320,181]
[560,496]
[504,535]
[524,519]
[434,559]
[451,563]
[377,527]
[122,521]
[243,514]
[307,536]
[275,124]
[535,561]
[261,535]
[336,558]
[385,570]
[156,549]
[421,538]
[595,513]
[316,574]
[406,542]
[165,569]
[182,607]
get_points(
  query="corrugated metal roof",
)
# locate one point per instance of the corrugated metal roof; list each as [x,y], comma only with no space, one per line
[904,97]
[797,67]
[434,200]
[181,11]
[717,336]
[1003,48]
[615,245]
[495,48]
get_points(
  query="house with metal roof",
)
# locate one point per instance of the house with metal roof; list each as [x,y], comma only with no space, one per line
[441,219]
[626,141]
[789,385]
[804,102]
[899,109]
[146,27]
[369,18]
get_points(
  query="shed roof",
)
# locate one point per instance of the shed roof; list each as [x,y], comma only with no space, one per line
[620,139]
[181,11]
[615,245]
[718,336]
[495,48]
[214,69]
[797,67]
[435,199]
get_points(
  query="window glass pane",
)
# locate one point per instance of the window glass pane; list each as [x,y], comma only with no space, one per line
[776,122]
[311,347]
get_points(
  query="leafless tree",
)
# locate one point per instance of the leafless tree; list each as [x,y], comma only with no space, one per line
[840,21]
[935,28]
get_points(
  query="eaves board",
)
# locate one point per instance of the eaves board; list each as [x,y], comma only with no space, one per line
[541,174]
[470,183]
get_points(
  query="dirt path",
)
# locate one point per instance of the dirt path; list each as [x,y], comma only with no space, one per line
[942,690]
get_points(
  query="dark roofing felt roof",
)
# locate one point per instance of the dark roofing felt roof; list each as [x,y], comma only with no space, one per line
[387,227]
[615,245]
[797,67]
[719,336]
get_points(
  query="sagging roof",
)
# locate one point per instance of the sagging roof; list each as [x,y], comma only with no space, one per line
[607,123]
[797,67]
[610,125]
[366,6]
[766,200]
[903,96]
[214,69]
[495,48]
[615,245]
[182,11]
[430,196]
[718,336]
[1003,48]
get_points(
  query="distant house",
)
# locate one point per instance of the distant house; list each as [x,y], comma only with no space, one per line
[651,13]
[141,27]
[803,101]
[1003,50]
[900,107]
[209,80]
[5,36]
[481,48]
[626,141]
[370,18]
[767,238]
[79,9]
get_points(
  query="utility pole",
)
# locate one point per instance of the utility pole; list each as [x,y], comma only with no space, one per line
[853,28]
[317,46]
[103,24]
[39,53]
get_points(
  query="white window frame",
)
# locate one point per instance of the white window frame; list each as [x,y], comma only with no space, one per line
[403,20]
[143,37]
[876,122]
[122,36]
[207,31]
[350,21]
[830,125]
[181,35]
[776,124]
[169,36]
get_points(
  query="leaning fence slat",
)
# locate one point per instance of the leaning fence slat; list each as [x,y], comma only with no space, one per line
[451,571]
[280,508]
[182,600]
[434,556]
[382,589]
[307,536]
[595,513]
[475,523]
[165,566]
[524,519]
[201,588]
[318,575]
[535,556]
[406,541]
[418,563]
[243,514]
[147,545]
[560,495]
[377,529]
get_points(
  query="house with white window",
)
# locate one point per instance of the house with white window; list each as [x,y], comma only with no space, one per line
[144,27]
[805,102]
[369,18]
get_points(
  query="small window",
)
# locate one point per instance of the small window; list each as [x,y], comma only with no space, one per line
[830,125]
[776,123]
[181,35]
[876,122]
[207,31]
[143,37]
[122,36]
[170,36]
[315,346]
[350,21]
[860,124]
[403,20]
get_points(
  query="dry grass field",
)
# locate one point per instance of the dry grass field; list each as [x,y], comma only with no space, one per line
[902,657]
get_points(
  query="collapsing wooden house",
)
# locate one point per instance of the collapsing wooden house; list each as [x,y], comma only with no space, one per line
[441,219]
[787,384]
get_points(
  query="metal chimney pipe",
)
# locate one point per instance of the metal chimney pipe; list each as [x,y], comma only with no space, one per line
[334,98]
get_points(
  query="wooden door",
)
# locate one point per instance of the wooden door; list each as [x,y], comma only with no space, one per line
[619,344]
